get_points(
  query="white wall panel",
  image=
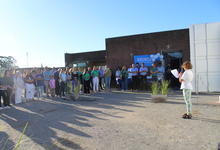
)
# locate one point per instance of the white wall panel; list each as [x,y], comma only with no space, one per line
[205,56]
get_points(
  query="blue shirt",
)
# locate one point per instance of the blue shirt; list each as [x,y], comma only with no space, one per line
[134,71]
[46,75]
[63,76]
[161,69]
[56,75]
[101,73]
[129,73]
[39,79]
[143,69]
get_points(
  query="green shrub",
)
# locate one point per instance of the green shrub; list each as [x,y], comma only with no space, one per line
[155,88]
[164,87]
[158,88]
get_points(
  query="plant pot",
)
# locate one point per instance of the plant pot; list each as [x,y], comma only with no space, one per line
[158,98]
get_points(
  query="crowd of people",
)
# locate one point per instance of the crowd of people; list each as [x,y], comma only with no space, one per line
[24,85]
[139,76]
[19,86]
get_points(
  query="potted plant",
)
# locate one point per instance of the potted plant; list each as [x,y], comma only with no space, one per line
[159,91]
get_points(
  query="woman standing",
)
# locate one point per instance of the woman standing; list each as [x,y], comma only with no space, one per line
[124,78]
[63,79]
[29,86]
[95,79]
[9,84]
[19,86]
[118,77]
[186,85]
[86,81]
[69,82]
[3,89]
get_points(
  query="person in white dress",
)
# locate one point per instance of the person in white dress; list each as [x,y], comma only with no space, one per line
[18,86]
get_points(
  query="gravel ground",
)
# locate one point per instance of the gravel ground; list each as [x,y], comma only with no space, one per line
[112,121]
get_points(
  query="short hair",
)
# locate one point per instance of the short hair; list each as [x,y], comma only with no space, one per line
[187,65]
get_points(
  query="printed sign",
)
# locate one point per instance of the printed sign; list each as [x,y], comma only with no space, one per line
[148,60]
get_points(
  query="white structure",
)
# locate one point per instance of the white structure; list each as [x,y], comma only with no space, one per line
[205,56]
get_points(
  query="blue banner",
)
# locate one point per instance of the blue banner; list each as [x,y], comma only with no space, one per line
[148,60]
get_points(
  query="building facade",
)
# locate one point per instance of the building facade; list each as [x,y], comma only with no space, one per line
[121,50]
[200,44]
[94,58]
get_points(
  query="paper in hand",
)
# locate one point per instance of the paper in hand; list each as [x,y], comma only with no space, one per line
[175,73]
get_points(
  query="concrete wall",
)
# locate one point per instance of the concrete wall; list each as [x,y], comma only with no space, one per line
[205,56]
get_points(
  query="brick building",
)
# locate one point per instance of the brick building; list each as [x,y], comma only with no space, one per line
[174,45]
[94,58]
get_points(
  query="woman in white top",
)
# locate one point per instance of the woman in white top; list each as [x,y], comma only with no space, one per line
[118,76]
[186,85]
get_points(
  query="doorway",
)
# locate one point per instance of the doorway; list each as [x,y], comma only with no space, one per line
[173,60]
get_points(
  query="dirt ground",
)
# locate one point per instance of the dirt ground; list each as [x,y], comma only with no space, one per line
[112,121]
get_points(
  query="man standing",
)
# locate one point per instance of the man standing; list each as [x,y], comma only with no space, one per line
[161,71]
[57,84]
[143,74]
[134,71]
[39,83]
[101,77]
[46,75]
[108,75]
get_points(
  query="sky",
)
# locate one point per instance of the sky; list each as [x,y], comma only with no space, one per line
[39,32]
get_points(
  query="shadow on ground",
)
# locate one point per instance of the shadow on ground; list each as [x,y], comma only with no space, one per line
[45,117]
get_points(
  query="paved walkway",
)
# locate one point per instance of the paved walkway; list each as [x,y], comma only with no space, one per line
[112,121]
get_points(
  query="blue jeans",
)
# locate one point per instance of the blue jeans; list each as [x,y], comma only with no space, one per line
[124,84]
[108,82]
[129,83]
[40,91]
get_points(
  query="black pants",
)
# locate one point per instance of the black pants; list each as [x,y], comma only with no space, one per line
[143,83]
[91,84]
[62,88]
[86,86]
[100,83]
[134,82]
[154,78]
[57,87]
[8,97]
[2,96]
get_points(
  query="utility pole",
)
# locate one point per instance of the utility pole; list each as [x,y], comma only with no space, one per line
[27,59]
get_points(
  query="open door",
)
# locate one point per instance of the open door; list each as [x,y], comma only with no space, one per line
[173,60]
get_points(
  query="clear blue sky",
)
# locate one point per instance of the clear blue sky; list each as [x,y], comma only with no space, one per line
[46,29]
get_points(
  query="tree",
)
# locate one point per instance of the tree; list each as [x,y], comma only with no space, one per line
[7,62]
